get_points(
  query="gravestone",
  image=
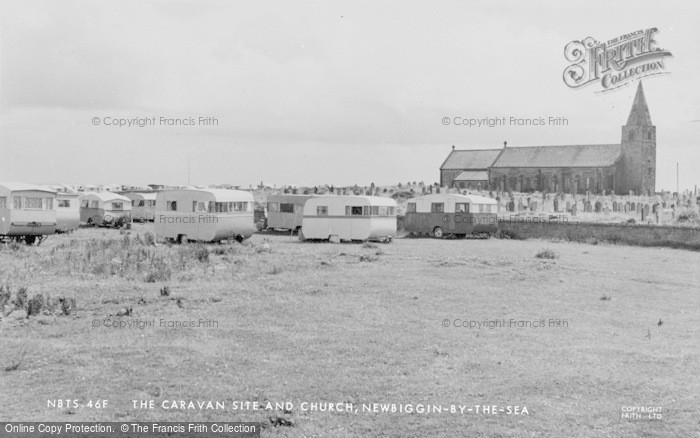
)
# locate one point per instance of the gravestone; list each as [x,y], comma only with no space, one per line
[633,207]
[598,207]
[573,210]
[615,207]
[533,206]
[568,206]
[556,205]
[645,211]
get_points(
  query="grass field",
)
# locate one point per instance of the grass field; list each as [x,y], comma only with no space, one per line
[360,324]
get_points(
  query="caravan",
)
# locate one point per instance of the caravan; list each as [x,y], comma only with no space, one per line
[348,218]
[105,209]
[286,212]
[440,215]
[67,212]
[143,205]
[205,215]
[27,212]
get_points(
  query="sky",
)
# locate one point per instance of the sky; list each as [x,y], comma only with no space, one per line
[319,92]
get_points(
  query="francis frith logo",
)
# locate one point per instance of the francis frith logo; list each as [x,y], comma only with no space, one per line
[616,62]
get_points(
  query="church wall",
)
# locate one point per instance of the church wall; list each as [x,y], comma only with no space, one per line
[554,180]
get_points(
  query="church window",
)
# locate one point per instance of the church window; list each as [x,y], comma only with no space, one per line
[649,135]
[631,135]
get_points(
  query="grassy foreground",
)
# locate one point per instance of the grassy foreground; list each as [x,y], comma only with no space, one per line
[355,324]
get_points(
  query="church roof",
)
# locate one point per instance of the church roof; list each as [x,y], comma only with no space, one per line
[639,115]
[587,155]
[477,159]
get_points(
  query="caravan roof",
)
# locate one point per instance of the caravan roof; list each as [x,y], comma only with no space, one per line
[144,195]
[221,195]
[14,186]
[366,200]
[107,196]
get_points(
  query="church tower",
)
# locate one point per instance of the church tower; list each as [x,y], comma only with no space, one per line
[637,170]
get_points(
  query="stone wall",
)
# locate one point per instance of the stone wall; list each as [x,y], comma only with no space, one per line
[642,235]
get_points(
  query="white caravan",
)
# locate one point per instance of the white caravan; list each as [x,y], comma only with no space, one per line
[143,205]
[205,215]
[27,212]
[67,212]
[348,218]
[105,209]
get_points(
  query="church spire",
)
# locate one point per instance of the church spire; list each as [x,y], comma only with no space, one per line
[639,115]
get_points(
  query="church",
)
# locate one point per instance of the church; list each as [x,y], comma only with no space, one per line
[623,168]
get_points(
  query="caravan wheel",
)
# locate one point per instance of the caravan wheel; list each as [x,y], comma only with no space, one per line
[182,238]
[29,240]
[437,233]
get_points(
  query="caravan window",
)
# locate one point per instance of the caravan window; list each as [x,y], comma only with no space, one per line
[94,204]
[64,203]
[134,202]
[171,205]
[84,203]
[151,203]
[49,203]
[17,202]
[353,211]
[322,210]
[33,203]
[411,207]
[392,211]
[199,207]
[273,206]
[3,202]
[286,208]
[142,203]
[437,207]
[461,207]
[117,206]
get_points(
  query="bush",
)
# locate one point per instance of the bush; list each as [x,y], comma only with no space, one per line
[21,299]
[35,305]
[67,305]
[158,271]
[546,254]
[202,253]
[149,239]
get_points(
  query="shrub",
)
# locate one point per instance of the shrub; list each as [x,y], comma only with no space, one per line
[21,299]
[149,239]
[276,270]
[35,305]
[546,254]
[201,252]
[5,296]
[158,271]
[67,305]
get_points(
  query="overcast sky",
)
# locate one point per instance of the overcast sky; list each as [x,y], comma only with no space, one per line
[319,92]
